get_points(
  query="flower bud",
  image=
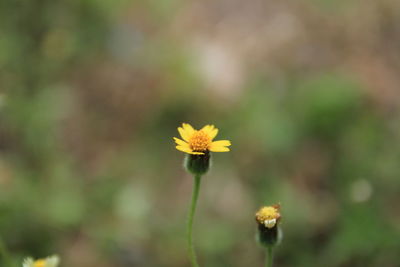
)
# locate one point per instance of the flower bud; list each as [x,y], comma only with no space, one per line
[197,164]
[269,233]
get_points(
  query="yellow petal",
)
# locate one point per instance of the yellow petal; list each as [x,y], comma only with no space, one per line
[185,136]
[221,143]
[184,149]
[210,130]
[180,142]
[219,149]
[213,133]
[220,146]
[196,153]
[207,128]
[188,128]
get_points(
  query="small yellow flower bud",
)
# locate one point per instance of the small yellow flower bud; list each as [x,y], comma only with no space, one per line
[268,218]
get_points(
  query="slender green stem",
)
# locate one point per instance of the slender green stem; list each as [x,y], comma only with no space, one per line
[268,262]
[196,189]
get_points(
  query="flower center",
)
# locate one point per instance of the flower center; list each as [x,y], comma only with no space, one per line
[268,216]
[199,141]
[40,263]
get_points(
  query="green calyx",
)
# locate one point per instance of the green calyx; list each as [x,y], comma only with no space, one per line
[197,164]
[269,237]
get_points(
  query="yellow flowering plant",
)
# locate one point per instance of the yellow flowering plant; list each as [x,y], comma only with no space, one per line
[197,144]
[269,234]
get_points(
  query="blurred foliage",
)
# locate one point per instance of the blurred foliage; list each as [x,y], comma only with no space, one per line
[92,92]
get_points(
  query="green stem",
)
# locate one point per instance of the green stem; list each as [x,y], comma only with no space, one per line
[196,189]
[268,262]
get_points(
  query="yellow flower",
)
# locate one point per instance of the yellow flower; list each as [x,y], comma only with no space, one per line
[268,216]
[51,261]
[198,142]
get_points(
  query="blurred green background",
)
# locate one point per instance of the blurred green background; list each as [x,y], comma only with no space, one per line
[91,94]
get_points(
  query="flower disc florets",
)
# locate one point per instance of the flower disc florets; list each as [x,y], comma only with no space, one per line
[200,141]
[268,216]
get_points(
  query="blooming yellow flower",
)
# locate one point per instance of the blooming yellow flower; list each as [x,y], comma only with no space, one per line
[51,261]
[198,142]
[268,216]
